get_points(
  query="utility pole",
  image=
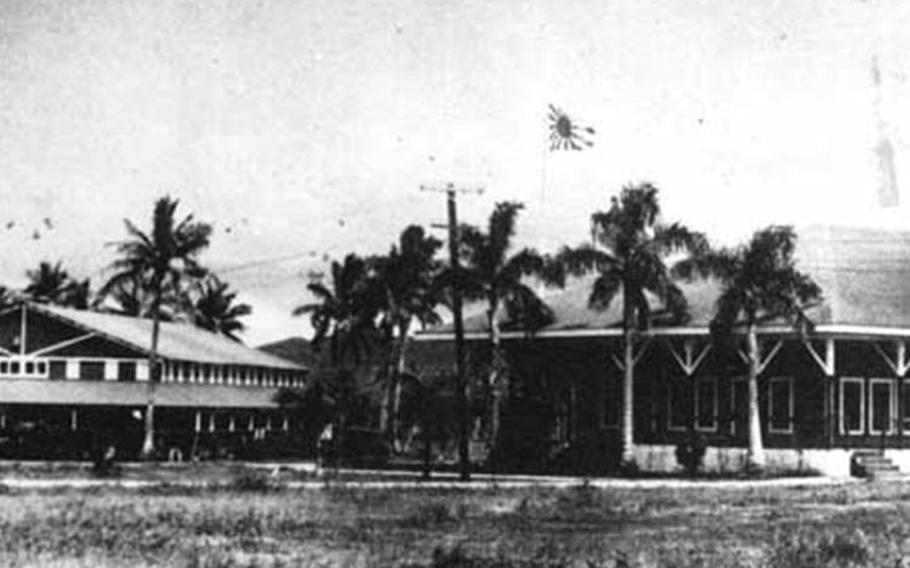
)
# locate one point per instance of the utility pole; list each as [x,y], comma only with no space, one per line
[461,396]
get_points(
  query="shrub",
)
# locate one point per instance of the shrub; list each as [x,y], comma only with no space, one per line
[691,454]
[828,550]
[253,482]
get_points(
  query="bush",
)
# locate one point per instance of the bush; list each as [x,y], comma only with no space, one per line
[837,550]
[253,482]
[691,454]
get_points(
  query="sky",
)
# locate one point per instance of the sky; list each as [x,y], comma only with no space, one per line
[303,130]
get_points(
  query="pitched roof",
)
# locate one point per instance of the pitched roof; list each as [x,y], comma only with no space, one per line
[177,341]
[296,349]
[864,275]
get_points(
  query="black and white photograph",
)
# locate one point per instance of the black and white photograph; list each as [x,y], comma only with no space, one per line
[454,284]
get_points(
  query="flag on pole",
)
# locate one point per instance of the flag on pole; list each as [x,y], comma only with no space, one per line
[566,134]
[888,192]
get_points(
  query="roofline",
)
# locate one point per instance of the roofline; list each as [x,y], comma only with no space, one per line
[290,365]
[50,313]
[843,330]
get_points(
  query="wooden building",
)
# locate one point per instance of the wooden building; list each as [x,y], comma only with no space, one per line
[842,389]
[74,381]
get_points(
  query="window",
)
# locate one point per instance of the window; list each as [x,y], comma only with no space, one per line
[679,404]
[14,367]
[852,406]
[29,368]
[780,405]
[126,371]
[706,404]
[881,406]
[905,406]
[42,367]
[4,367]
[91,370]
[57,370]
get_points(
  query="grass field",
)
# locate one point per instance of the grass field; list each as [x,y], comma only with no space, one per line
[254,521]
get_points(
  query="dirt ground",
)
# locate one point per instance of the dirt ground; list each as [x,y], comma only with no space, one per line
[259,519]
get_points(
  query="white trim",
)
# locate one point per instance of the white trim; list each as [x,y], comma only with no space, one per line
[899,363]
[697,403]
[62,344]
[778,330]
[688,361]
[862,406]
[790,405]
[892,400]
[828,362]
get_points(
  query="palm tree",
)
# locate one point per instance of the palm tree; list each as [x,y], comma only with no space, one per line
[489,274]
[342,312]
[759,282]
[627,256]
[162,258]
[403,287]
[8,298]
[51,284]
[215,308]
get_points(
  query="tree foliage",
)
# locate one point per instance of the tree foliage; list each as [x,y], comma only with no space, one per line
[52,284]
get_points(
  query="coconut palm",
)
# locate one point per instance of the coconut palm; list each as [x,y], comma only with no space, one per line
[759,282]
[8,298]
[51,284]
[403,287]
[162,258]
[215,309]
[491,275]
[627,255]
[343,312]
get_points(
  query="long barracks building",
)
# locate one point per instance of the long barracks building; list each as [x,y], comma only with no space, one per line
[841,392]
[72,381]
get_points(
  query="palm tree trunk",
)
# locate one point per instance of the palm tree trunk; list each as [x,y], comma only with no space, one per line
[628,417]
[385,404]
[756,455]
[148,442]
[396,399]
[498,376]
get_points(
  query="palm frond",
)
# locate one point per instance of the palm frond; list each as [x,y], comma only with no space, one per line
[604,290]
[584,259]
[502,229]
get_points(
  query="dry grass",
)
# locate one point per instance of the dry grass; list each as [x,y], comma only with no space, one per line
[252,524]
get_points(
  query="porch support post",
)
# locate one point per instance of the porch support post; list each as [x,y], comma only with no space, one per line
[826,363]
[688,361]
[899,363]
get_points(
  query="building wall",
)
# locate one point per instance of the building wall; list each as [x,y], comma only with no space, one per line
[802,410]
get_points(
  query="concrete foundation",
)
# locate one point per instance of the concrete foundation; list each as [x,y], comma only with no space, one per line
[833,462]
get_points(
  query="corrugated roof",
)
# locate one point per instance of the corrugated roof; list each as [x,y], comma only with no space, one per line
[37,391]
[864,275]
[177,341]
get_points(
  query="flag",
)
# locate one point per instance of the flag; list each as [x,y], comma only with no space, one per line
[566,134]
[888,193]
